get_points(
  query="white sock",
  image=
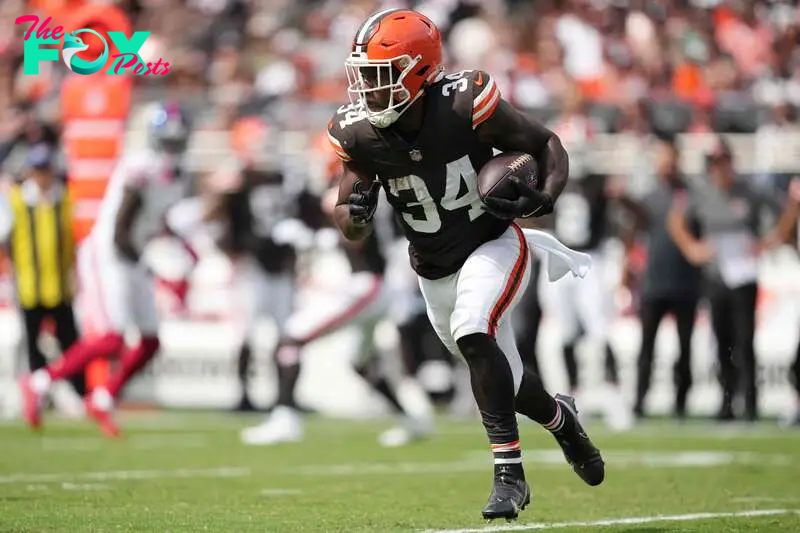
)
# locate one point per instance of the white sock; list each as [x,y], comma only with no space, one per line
[40,381]
[101,399]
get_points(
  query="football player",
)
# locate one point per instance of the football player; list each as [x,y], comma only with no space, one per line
[583,306]
[266,218]
[362,301]
[116,290]
[581,221]
[422,136]
[422,354]
[790,221]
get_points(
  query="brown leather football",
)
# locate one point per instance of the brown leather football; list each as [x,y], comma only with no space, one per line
[494,179]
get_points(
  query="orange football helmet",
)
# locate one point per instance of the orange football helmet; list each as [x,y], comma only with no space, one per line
[396,54]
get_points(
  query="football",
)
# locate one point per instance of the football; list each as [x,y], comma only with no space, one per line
[494,178]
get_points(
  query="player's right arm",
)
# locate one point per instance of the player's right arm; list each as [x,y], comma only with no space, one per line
[356,203]
[134,176]
[358,189]
[128,210]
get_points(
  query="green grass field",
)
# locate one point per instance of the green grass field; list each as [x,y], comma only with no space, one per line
[188,472]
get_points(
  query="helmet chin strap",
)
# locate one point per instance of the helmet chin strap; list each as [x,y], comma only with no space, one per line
[386,118]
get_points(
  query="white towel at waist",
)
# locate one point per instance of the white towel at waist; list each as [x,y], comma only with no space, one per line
[560,258]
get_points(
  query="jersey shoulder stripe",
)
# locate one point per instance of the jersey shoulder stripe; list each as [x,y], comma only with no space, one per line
[337,148]
[347,129]
[486,99]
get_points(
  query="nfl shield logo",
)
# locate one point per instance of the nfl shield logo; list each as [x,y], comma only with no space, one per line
[415,155]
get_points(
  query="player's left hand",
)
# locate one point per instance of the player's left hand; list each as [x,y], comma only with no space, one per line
[530,203]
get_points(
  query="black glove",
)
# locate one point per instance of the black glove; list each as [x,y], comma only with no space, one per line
[531,203]
[362,204]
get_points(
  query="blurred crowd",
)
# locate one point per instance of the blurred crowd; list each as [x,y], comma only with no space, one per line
[667,65]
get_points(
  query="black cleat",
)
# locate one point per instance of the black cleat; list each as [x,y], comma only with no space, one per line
[578,449]
[509,496]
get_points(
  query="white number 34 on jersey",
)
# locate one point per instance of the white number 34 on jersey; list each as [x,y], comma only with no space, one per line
[458,171]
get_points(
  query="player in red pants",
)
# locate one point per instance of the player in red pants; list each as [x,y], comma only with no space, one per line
[116,288]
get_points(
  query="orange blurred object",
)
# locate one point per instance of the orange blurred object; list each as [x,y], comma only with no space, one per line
[102,18]
[52,7]
[247,136]
[687,81]
[591,88]
[94,111]
[321,147]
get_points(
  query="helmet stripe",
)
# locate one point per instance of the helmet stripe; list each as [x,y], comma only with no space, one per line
[363,33]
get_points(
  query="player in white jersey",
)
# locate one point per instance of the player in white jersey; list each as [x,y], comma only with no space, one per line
[361,302]
[262,218]
[788,222]
[116,290]
[583,308]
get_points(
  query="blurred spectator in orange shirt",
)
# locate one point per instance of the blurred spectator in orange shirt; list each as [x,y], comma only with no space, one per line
[745,36]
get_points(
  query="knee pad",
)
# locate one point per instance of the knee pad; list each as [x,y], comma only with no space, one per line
[472,346]
[482,350]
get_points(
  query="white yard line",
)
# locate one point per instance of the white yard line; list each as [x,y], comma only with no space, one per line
[124,475]
[154,441]
[159,441]
[764,499]
[622,521]
[481,460]
[66,444]
[657,459]
[160,421]
[281,492]
[699,429]
[362,469]
[84,487]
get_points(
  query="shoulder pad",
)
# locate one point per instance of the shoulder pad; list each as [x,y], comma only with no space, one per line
[485,96]
[474,92]
[343,129]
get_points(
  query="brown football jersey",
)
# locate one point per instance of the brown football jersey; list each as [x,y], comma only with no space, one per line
[431,182]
